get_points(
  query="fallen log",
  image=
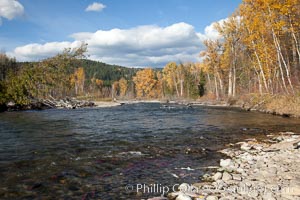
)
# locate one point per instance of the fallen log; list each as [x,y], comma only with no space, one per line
[69,103]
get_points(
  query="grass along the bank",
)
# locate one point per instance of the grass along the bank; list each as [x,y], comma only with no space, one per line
[284,105]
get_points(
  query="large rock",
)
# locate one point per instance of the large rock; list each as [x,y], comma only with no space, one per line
[246,147]
[212,198]
[217,176]
[237,177]
[226,176]
[285,145]
[226,163]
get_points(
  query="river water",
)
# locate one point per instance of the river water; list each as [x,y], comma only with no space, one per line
[110,153]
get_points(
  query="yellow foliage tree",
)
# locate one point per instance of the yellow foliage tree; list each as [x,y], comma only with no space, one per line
[115,89]
[123,84]
[170,76]
[145,83]
[78,79]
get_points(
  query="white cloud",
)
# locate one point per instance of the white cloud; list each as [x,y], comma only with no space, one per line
[95,7]
[10,9]
[211,32]
[149,45]
[40,51]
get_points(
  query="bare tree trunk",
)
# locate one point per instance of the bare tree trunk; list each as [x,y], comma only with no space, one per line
[234,81]
[281,70]
[261,70]
[259,81]
[260,67]
[112,92]
[216,89]
[181,87]
[76,89]
[209,82]
[277,45]
[175,84]
[221,85]
[295,38]
[230,83]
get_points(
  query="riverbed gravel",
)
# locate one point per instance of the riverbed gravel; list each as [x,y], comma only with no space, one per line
[264,170]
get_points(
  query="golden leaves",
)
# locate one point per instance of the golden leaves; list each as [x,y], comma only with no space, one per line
[145,82]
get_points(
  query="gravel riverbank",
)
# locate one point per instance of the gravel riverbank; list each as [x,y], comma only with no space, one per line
[267,170]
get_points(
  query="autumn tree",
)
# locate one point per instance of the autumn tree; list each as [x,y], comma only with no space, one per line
[78,79]
[269,33]
[145,83]
[230,30]
[212,61]
[97,86]
[123,84]
[115,89]
[171,78]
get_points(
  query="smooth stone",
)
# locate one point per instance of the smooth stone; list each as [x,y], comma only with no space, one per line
[225,163]
[212,198]
[246,147]
[240,170]
[237,177]
[217,176]
[227,198]
[226,176]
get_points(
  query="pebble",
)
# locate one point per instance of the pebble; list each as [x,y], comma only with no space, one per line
[217,176]
[225,163]
[212,198]
[246,147]
[226,176]
[265,171]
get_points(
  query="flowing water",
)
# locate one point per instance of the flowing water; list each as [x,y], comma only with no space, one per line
[108,153]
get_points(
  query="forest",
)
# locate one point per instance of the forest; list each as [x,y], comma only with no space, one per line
[258,54]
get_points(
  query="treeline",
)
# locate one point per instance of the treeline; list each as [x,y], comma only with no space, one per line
[173,81]
[68,74]
[23,82]
[259,51]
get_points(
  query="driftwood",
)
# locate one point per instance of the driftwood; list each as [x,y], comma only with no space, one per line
[41,104]
[69,103]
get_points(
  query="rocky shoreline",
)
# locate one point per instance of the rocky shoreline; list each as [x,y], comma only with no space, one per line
[266,170]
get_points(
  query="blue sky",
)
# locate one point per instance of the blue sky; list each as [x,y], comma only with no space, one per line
[125,32]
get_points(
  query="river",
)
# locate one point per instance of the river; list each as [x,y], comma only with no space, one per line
[107,153]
